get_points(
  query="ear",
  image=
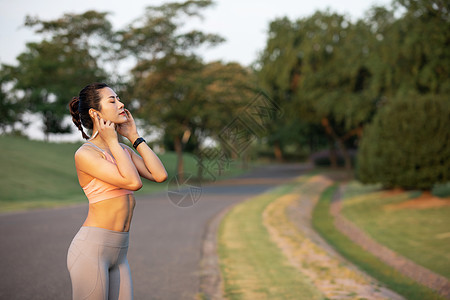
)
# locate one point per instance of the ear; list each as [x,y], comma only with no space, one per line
[91,112]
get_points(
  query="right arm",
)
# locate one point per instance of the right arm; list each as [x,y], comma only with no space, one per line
[123,175]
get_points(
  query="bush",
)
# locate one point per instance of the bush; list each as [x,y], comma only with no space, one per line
[408,144]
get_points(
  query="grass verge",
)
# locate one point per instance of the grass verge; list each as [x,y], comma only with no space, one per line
[420,234]
[252,265]
[38,174]
[323,222]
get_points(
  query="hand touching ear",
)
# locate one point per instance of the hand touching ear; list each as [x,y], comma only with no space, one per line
[94,114]
[106,129]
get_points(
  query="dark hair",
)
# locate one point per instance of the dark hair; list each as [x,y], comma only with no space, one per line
[88,98]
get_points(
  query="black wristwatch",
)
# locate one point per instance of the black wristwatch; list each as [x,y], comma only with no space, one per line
[138,141]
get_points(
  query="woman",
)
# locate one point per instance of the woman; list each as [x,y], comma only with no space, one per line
[108,172]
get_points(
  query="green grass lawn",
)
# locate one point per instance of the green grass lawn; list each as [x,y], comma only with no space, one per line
[422,235]
[252,265]
[323,223]
[38,174]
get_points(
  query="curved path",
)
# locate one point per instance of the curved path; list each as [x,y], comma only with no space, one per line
[165,240]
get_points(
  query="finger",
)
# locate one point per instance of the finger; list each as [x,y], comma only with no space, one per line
[110,123]
[103,123]
[130,116]
[128,113]
[96,121]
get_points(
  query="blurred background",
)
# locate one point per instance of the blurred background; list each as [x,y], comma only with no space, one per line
[348,76]
[357,89]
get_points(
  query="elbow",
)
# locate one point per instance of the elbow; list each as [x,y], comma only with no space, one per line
[161,178]
[135,185]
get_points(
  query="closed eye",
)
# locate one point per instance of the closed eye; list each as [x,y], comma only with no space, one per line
[114,98]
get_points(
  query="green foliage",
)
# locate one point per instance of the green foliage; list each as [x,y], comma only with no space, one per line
[316,69]
[326,70]
[334,73]
[10,110]
[157,33]
[411,51]
[169,81]
[408,143]
[54,70]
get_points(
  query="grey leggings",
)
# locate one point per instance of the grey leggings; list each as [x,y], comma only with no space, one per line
[98,265]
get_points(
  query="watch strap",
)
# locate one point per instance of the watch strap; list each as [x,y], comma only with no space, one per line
[138,141]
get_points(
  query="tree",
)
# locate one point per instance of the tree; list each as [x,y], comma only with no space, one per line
[317,67]
[277,73]
[411,51]
[163,78]
[408,144]
[52,71]
[224,93]
[166,99]
[156,34]
[10,110]
[190,98]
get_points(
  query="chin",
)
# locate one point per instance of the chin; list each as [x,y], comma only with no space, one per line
[120,120]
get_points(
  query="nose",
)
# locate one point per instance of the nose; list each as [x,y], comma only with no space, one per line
[121,105]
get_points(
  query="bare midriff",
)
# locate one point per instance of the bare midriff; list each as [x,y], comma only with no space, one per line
[113,214]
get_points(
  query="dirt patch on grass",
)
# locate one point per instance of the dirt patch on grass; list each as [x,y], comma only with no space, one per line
[424,201]
[393,192]
[288,221]
[405,266]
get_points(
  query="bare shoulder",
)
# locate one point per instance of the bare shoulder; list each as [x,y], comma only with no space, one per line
[83,153]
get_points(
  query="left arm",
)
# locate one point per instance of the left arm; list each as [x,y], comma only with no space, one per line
[147,163]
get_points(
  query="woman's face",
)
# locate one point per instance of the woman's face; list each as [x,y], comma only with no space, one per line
[111,107]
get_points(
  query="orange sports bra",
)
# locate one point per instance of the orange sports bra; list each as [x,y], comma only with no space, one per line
[97,190]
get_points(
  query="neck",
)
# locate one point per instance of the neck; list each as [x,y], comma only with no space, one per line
[97,140]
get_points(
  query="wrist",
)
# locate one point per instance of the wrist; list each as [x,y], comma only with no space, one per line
[132,138]
[138,141]
[112,143]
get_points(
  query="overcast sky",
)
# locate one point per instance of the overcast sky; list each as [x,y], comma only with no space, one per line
[243,23]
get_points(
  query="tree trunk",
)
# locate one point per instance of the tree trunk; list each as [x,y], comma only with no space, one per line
[233,154]
[332,153]
[345,154]
[278,152]
[339,141]
[179,151]
[244,161]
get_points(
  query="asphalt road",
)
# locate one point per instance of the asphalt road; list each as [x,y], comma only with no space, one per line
[165,240]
